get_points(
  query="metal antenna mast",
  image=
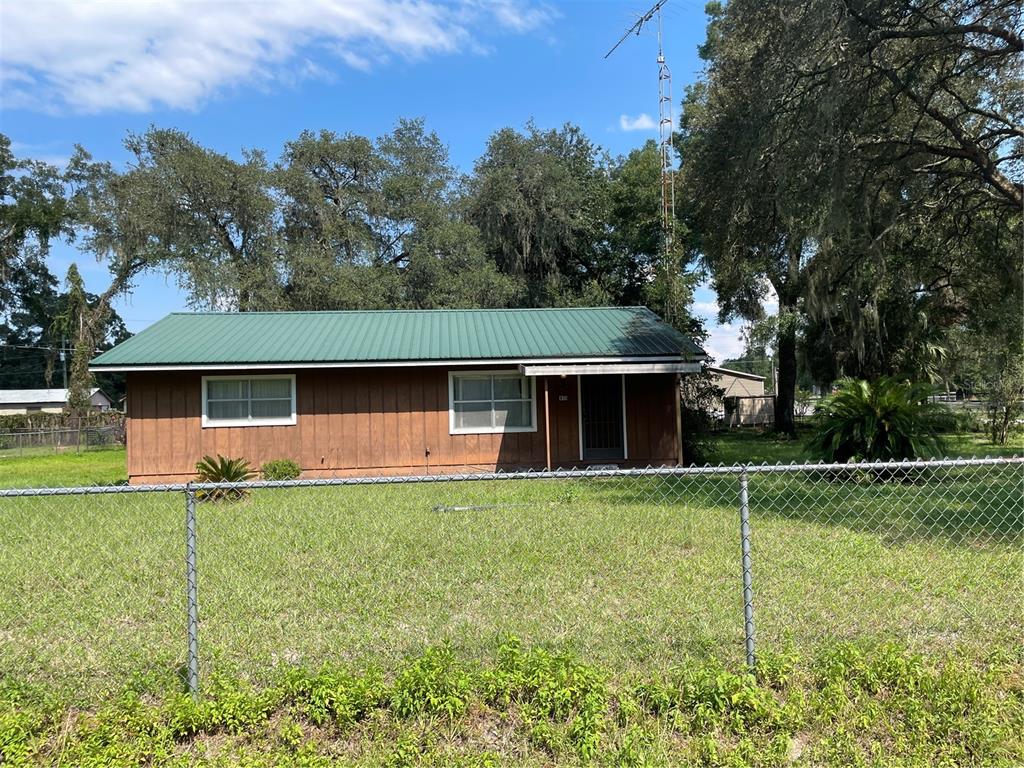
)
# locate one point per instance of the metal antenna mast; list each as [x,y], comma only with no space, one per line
[665,125]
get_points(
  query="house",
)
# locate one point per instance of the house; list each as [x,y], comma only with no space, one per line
[403,392]
[22,401]
[743,401]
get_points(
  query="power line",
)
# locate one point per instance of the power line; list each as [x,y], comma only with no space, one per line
[46,349]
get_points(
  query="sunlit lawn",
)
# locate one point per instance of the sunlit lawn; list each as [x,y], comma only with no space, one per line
[96,466]
[756,446]
[632,573]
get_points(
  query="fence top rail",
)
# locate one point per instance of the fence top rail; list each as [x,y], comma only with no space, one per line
[57,430]
[560,474]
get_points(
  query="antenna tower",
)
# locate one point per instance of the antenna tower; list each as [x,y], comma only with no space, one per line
[665,124]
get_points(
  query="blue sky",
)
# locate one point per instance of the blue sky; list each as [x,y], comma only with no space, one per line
[254,74]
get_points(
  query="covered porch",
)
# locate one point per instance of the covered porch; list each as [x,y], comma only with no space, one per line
[624,413]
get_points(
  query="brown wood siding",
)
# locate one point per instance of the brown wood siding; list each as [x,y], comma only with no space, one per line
[376,421]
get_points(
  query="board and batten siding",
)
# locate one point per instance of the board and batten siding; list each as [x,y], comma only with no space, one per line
[368,421]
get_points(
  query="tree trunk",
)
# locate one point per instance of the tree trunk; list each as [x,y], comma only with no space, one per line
[785,395]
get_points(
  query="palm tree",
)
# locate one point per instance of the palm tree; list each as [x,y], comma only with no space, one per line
[883,420]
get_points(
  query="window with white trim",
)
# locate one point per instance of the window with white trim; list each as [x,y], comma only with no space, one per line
[483,401]
[243,401]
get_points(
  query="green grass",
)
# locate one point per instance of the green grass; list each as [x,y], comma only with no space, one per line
[636,576]
[845,706]
[106,466]
[632,574]
[750,445]
[96,466]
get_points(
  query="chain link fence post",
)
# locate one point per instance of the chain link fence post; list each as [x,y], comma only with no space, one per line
[191,579]
[748,581]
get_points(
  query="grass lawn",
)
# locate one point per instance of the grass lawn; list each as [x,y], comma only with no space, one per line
[750,445]
[632,574]
[106,466]
[97,466]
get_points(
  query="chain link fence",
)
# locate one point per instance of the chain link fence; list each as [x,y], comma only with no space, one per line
[31,442]
[632,568]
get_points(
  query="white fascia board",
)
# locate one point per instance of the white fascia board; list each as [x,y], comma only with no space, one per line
[608,368]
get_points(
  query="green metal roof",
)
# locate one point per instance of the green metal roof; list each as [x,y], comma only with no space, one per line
[231,338]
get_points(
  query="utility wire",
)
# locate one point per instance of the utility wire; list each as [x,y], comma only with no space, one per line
[46,349]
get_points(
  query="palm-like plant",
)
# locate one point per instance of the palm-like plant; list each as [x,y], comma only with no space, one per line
[883,420]
[223,470]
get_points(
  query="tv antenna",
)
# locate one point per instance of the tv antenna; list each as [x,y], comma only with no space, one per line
[665,123]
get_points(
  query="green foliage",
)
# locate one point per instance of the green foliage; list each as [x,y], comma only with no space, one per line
[227,705]
[702,698]
[280,469]
[73,323]
[539,200]
[559,698]
[223,470]
[698,395]
[825,153]
[48,421]
[877,421]
[850,705]
[36,320]
[945,713]
[33,210]
[334,695]
[434,684]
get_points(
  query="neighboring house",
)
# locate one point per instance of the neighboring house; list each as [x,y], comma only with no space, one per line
[743,402]
[21,401]
[404,392]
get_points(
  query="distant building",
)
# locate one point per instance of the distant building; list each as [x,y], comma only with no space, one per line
[744,402]
[738,383]
[21,401]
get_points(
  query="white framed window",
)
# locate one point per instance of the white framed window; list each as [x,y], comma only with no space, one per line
[248,401]
[481,402]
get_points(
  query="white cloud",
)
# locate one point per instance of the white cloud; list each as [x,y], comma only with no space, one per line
[724,341]
[518,17]
[707,309]
[642,122]
[134,55]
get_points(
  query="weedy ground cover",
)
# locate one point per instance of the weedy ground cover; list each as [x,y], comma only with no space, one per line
[847,705]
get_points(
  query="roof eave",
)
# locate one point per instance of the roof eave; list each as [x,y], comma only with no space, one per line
[249,366]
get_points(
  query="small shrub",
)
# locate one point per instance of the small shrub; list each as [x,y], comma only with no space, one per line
[223,470]
[774,668]
[281,469]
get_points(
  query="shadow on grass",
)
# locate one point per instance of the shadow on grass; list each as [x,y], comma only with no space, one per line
[964,506]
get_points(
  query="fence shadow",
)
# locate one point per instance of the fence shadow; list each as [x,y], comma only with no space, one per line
[961,505]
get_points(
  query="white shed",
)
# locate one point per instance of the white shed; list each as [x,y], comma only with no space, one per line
[744,402]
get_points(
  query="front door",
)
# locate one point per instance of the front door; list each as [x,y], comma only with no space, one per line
[601,417]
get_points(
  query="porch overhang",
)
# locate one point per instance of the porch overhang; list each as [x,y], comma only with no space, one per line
[585,369]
